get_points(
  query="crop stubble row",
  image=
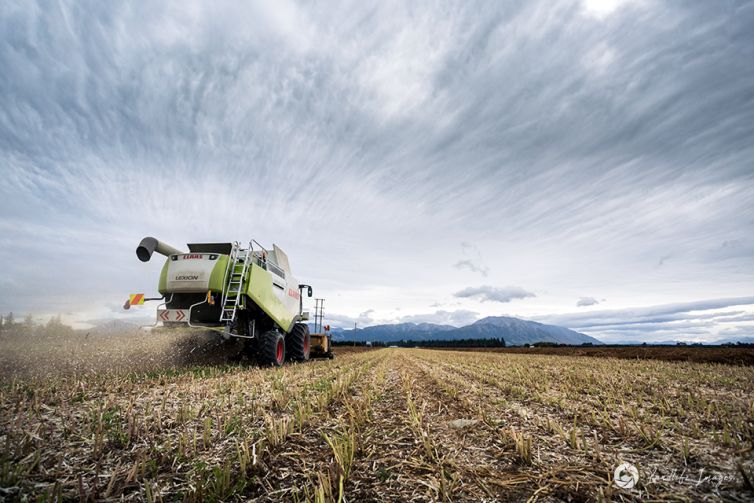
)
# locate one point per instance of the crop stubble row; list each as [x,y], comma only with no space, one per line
[383,425]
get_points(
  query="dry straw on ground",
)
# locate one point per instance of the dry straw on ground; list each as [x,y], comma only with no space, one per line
[394,424]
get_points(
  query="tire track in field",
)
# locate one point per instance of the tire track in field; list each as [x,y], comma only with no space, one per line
[389,467]
[482,464]
[302,463]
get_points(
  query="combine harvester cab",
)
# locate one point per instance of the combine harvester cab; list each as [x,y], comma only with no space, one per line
[246,293]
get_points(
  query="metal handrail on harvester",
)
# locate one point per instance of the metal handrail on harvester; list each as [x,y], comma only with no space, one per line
[232,260]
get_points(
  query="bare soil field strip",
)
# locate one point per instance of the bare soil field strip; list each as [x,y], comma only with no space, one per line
[703,354]
[384,425]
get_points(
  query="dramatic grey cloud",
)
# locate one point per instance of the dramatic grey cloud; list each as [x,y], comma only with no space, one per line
[668,312]
[687,320]
[494,294]
[577,146]
[586,301]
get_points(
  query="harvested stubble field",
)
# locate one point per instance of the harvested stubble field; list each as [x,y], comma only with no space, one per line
[707,354]
[383,425]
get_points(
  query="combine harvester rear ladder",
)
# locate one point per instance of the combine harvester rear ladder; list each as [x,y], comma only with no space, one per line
[238,265]
[319,314]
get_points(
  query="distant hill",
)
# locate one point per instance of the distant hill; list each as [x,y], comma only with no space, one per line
[516,332]
[388,333]
[716,342]
[734,340]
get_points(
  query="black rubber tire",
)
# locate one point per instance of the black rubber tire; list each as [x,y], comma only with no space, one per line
[298,343]
[271,348]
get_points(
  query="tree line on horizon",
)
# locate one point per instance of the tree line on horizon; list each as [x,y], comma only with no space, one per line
[28,326]
[452,343]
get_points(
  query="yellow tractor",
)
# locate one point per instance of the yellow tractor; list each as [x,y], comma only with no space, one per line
[321,340]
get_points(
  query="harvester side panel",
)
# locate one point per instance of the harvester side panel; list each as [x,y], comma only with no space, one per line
[279,303]
[218,274]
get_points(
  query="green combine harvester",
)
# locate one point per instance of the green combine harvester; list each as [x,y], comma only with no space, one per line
[246,293]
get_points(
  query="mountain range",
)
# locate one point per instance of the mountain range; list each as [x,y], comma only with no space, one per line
[514,331]
[675,342]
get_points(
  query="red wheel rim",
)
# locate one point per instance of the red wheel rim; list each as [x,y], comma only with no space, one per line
[306,344]
[279,352]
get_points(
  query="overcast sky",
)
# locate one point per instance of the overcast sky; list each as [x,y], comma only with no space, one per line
[586,163]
